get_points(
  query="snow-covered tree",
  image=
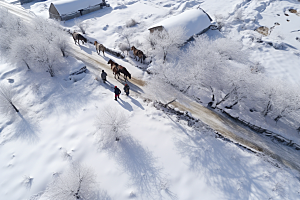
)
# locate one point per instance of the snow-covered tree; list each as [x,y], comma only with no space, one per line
[127,34]
[82,25]
[277,101]
[124,47]
[21,53]
[11,27]
[36,45]
[78,182]
[167,42]
[111,125]
[63,44]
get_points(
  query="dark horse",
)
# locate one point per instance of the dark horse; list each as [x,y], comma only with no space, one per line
[139,54]
[115,68]
[124,71]
[77,36]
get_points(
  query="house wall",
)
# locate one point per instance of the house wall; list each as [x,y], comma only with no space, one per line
[53,13]
[157,28]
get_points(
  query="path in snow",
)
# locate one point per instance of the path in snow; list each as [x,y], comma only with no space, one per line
[228,128]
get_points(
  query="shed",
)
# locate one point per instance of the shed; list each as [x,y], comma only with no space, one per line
[69,9]
[194,21]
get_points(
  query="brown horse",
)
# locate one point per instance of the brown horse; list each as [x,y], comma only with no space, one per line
[99,47]
[115,68]
[124,71]
[139,54]
[77,36]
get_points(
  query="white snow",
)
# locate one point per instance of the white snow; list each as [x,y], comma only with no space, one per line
[193,21]
[162,156]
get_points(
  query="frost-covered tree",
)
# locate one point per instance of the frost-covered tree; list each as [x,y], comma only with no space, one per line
[207,65]
[167,42]
[21,53]
[111,125]
[124,47]
[7,100]
[82,25]
[78,182]
[63,44]
[11,27]
[127,34]
[37,45]
[277,101]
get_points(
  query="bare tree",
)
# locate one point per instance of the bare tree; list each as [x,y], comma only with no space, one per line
[78,182]
[126,33]
[81,25]
[7,100]
[111,125]
[130,23]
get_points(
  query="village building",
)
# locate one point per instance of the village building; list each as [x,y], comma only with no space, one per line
[63,10]
[194,21]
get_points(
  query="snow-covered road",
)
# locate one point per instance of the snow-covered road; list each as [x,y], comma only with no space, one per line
[237,133]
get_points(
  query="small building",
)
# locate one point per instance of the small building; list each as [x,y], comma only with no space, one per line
[63,10]
[194,21]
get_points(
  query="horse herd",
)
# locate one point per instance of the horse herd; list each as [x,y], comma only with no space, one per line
[116,68]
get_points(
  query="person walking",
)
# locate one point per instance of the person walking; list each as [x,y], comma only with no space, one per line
[117,92]
[103,76]
[126,89]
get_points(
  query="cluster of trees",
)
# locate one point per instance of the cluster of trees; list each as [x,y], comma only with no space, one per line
[220,69]
[39,45]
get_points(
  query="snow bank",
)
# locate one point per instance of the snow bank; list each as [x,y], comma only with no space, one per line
[193,21]
[69,6]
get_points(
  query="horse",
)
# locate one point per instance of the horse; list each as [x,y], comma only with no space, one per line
[139,54]
[115,68]
[124,71]
[99,47]
[77,36]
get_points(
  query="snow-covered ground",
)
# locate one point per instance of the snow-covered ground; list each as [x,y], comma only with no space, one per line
[56,126]
[161,155]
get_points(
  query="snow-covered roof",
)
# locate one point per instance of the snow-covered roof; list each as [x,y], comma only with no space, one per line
[69,6]
[194,21]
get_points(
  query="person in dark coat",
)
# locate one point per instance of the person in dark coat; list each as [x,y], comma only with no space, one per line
[117,92]
[103,76]
[126,89]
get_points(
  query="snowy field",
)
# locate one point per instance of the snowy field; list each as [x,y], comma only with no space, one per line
[160,155]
